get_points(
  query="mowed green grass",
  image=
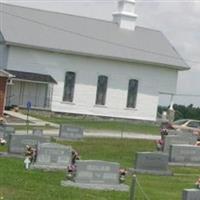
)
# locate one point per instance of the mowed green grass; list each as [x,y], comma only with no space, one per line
[106,124]
[3,148]
[19,184]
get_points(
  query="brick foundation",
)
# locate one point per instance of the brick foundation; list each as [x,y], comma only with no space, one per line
[3,81]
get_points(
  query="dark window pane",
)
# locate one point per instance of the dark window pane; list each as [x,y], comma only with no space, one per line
[132,93]
[69,86]
[101,90]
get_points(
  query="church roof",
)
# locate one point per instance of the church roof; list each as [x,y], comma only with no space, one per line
[72,34]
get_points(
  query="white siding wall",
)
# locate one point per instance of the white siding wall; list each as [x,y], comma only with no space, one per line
[152,80]
[3,55]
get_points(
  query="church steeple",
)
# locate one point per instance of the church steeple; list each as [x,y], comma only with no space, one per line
[125,16]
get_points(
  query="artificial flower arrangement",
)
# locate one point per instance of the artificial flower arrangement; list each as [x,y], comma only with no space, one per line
[197,183]
[160,144]
[71,169]
[71,172]
[2,141]
[122,174]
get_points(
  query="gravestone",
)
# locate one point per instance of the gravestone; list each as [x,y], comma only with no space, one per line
[52,156]
[9,129]
[69,132]
[191,194]
[93,174]
[152,163]
[37,132]
[184,155]
[18,143]
[174,132]
[178,139]
[1,131]
[6,131]
[181,132]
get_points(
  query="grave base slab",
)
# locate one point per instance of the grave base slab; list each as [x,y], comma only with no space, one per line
[184,164]
[153,172]
[120,187]
[49,168]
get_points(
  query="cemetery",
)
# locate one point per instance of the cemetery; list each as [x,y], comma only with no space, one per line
[81,100]
[97,170]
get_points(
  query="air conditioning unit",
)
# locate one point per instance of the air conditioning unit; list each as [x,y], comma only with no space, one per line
[9,81]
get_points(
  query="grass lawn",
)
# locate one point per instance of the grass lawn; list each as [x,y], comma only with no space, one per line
[18,184]
[3,148]
[94,124]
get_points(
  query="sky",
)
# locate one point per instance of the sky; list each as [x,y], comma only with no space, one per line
[179,20]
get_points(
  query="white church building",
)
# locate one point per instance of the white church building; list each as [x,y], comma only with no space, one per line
[72,64]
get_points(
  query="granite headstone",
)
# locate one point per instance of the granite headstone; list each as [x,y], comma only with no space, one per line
[53,156]
[178,139]
[184,154]
[191,194]
[18,143]
[174,132]
[93,174]
[6,131]
[69,132]
[152,163]
[1,132]
[37,132]
[181,132]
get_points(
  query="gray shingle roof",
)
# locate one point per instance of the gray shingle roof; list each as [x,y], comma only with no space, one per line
[4,73]
[31,76]
[86,36]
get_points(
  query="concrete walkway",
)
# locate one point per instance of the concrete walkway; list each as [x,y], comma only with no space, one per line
[32,120]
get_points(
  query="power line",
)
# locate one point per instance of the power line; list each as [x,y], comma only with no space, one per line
[97,39]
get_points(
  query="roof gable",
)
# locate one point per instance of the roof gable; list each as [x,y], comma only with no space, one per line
[80,35]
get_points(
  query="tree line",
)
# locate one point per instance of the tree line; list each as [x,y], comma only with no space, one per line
[183,112]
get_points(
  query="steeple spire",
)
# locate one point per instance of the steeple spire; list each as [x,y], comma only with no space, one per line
[125,17]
